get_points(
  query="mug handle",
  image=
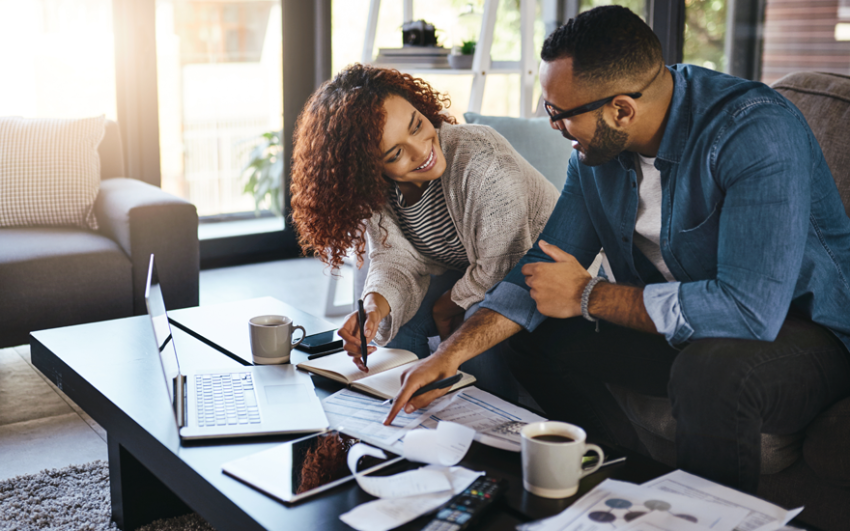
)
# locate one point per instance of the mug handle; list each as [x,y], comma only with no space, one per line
[599,463]
[303,335]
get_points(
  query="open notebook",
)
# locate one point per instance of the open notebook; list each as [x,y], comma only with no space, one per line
[384,377]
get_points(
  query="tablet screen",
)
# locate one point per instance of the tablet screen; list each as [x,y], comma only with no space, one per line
[320,461]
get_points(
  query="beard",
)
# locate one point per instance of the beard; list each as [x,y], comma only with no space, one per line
[607,143]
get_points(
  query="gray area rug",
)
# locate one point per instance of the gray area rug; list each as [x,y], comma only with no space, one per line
[75,498]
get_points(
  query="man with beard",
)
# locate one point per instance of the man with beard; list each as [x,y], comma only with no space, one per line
[726,285]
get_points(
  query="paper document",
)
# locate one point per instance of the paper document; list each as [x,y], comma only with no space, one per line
[762,515]
[662,521]
[444,446]
[480,411]
[617,503]
[363,416]
[389,513]
[410,483]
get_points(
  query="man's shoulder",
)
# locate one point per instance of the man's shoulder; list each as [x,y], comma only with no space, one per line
[715,94]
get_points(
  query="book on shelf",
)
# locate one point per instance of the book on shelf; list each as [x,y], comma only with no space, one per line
[415,50]
[432,61]
[384,377]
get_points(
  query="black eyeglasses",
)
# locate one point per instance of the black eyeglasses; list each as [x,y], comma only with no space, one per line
[556,114]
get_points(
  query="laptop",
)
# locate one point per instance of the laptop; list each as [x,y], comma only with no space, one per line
[243,402]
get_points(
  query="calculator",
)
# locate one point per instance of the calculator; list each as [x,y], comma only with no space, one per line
[508,431]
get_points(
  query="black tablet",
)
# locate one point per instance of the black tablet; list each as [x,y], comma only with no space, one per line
[303,467]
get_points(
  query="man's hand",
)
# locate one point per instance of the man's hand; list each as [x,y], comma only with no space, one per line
[478,333]
[556,287]
[420,374]
[447,315]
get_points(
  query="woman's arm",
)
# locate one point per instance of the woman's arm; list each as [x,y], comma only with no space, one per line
[505,207]
[397,272]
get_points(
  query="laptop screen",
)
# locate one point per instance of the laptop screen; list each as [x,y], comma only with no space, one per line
[161,330]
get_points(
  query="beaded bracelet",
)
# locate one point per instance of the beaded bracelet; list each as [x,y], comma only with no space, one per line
[585,298]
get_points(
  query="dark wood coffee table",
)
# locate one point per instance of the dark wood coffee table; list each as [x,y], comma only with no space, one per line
[110,370]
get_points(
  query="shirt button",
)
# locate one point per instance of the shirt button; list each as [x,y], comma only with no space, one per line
[625,240]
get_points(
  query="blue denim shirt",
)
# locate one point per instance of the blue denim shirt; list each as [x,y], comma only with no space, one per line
[751,220]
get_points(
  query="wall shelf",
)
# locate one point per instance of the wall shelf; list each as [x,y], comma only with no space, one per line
[482,63]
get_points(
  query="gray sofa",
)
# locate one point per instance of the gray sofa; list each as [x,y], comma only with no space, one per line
[58,276]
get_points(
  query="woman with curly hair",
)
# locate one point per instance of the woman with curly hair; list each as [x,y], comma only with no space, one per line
[448,209]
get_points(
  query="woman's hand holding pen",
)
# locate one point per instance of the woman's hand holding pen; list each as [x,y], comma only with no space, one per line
[376,308]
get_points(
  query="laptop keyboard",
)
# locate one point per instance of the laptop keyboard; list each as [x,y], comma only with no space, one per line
[226,399]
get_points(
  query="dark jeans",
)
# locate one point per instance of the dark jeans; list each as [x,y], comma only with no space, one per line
[724,392]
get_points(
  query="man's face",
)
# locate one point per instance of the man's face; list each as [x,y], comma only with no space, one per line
[595,140]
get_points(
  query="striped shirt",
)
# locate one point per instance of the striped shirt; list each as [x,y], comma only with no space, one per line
[428,226]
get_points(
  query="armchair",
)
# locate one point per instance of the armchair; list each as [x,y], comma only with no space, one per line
[59,276]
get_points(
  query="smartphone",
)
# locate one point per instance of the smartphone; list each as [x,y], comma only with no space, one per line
[301,468]
[320,342]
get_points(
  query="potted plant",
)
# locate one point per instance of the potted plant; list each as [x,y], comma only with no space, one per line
[264,174]
[461,56]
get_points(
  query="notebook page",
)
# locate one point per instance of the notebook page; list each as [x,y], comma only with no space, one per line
[388,383]
[379,361]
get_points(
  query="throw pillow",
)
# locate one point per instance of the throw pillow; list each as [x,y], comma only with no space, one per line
[49,171]
[535,140]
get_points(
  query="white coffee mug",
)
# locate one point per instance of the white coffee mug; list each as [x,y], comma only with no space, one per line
[552,453]
[271,338]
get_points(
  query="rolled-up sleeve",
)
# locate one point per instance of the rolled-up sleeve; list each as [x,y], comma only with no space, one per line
[662,305]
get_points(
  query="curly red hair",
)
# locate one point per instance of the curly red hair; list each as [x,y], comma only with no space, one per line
[336,180]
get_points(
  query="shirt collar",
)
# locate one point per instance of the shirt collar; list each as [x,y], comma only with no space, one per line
[678,124]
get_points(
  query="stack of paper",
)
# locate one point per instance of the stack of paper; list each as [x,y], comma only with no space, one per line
[363,416]
[677,501]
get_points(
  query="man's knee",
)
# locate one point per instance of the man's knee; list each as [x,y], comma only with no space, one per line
[708,370]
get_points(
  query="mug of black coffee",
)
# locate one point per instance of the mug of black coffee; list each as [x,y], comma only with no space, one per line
[552,455]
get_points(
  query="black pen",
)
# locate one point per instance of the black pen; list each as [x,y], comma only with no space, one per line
[325,353]
[361,316]
[439,384]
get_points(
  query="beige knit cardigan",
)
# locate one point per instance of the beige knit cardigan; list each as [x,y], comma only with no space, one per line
[499,204]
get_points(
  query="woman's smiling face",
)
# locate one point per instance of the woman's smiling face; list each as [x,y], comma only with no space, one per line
[410,147]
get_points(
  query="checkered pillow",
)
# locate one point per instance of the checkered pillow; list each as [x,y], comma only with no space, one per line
[49,171]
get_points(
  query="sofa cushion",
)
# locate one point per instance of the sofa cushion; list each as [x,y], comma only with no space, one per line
[824,99]
[533,138]
[49,171]
[60,276]
[827,444]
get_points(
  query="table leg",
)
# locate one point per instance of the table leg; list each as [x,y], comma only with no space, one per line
[138,497]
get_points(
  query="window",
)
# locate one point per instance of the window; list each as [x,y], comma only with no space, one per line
[58,59]
[705,33]
[636,6]
[805,35]
[220,77]
[768,39]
